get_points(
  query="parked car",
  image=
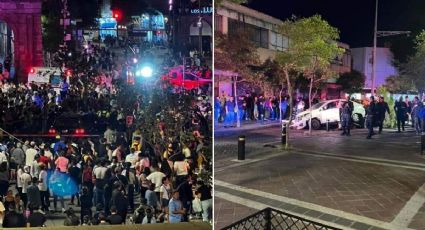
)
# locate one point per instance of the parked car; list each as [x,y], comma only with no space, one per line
[325,111]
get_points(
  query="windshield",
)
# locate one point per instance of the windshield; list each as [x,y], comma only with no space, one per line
[318,105]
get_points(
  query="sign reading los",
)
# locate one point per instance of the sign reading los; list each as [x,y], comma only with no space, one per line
[204,10]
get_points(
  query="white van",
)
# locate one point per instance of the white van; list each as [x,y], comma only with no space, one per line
[46,75]
[327,111]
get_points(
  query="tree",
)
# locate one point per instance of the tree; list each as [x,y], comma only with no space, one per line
[414,69]
[52,30]
[390,120]
[313,41]
[316,40]
[352,82]
[399,84]
[235,52]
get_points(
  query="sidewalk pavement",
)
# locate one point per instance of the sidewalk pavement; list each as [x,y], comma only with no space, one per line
[245,125]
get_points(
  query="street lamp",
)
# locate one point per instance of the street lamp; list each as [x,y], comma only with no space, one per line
[377,34]
[199,24]
[146,72]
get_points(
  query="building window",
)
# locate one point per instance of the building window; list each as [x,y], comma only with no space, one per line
[259,36]
[278,41]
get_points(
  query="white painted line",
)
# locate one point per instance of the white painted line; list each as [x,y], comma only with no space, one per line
[351,157]
[249,161]
[405,216]
[261,206]
[364,161]
[339,213]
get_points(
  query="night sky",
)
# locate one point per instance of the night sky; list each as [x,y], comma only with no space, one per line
[355,18]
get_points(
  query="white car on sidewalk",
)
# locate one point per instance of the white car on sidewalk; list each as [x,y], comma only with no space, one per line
[327,111]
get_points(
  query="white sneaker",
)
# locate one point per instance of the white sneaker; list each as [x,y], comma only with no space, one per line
[63,209]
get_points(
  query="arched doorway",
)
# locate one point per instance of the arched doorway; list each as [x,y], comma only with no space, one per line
[206,35]
[7,51]
[23,17]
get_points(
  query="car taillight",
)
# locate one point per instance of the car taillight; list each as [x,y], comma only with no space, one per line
[52,131]
[80,131]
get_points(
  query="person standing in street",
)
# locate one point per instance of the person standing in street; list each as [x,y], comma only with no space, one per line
[381,108]
[400,108]
[345,118]
[414,114]
[421,117]
[230,113]
[370,116]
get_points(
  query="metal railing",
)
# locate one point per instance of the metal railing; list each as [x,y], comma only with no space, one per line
[269,218]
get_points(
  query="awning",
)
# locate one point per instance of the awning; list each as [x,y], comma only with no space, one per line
[108,25]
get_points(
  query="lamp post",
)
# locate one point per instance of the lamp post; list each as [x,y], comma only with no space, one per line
[377,34]
[375,31]
[199,24]
[200,29]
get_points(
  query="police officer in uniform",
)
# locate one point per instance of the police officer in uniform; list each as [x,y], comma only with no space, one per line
[345,118]
[381,108]
[370,116]
[400,108]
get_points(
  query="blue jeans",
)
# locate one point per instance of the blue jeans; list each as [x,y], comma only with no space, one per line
[100,196]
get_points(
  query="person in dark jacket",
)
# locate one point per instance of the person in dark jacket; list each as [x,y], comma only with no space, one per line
[381,109]
[86,204]
[370,116]
[345,118]
[75,174]
[400,108]
[420,117]
[119,200]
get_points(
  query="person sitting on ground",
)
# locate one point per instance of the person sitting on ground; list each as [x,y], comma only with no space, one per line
[114,218]
[149,217]
[102,219]
[12,219]
[36,218]
[71,218]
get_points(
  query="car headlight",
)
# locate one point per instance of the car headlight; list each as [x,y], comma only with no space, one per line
[305,116]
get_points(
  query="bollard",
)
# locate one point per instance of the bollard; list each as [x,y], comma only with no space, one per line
[422,143]
[241,148]
[327,125]
[283,133]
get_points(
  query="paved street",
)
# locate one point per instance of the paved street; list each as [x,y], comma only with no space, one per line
[348,182]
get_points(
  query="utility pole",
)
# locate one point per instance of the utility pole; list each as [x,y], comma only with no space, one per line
[377,34]
[200,29]
[375,31]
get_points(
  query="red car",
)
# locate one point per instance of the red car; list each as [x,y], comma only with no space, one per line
[189,82]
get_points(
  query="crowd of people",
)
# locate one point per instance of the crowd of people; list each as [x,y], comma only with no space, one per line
[253,107]
[161,158]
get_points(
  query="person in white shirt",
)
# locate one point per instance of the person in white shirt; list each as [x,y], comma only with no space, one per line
[156,178]
[132,157]
[3,157]
[186,151]
[30,154]
[25,181]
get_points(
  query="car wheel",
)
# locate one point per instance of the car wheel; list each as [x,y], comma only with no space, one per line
[315,124]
